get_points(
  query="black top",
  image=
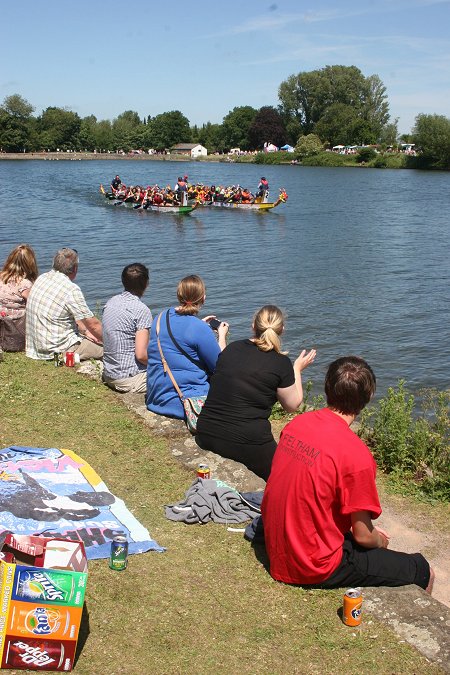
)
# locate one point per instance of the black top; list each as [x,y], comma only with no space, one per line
[242,392]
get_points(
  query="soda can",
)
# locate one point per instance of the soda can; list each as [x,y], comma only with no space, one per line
[352,609]
[118,559]
[203,471]
[70,359]
[57,359]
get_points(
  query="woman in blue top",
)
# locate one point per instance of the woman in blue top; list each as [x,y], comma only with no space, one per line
[191,351]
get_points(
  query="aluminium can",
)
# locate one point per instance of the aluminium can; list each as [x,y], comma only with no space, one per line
[70,359]
[203,471]
[58,359]
[352,608]
[118,559]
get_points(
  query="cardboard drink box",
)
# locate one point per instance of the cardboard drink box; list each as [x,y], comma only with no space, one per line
[42,587]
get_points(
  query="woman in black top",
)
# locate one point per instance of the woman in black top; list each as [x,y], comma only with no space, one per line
[250,376]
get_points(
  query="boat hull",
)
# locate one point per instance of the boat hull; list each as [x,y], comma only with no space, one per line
[151,207]
[258,206]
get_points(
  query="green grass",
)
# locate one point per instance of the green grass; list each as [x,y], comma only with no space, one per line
[206,605]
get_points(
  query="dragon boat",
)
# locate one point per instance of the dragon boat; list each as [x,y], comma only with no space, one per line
[132,204]
[251,206]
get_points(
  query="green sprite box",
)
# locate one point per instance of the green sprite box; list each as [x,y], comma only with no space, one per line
[32,584]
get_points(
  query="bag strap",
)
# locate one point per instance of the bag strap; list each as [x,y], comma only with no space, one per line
[169,330]
[164,362]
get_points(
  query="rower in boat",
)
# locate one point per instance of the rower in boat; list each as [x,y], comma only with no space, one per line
[181,191]
[262,194]
[115,184]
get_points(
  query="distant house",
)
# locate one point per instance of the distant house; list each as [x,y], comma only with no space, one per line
[191,149]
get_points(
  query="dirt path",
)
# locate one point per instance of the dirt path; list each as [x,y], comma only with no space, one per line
[412,531]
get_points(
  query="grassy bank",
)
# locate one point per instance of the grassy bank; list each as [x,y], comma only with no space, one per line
[208,603]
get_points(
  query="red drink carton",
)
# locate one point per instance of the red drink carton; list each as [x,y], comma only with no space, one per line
[38,654]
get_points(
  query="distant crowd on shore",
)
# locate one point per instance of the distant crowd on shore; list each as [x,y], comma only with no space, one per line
[321,497]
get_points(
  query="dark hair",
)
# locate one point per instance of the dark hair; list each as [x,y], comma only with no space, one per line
[135,278]
[350,383]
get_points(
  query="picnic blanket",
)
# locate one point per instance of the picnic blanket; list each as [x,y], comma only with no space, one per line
[211,500]
[55,493]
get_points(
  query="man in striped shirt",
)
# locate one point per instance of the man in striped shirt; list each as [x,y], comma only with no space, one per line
[57,317]
[126,324]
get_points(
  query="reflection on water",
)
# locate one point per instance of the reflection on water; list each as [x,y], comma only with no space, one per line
[357,258]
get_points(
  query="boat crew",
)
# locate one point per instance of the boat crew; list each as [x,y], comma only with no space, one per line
[115,184]
[263,189]
[181,191]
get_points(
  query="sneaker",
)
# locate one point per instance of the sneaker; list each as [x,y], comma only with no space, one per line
[1,354]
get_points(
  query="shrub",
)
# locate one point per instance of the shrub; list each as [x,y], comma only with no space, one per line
[273,157]
[308,146]
[365,155]
[414,446]
[380,162]
[328,159]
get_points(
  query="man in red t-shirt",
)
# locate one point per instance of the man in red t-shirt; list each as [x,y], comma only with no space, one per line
[321,497]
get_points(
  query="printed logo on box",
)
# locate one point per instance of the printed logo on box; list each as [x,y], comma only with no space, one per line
[38,653]
[44,620]
[48,585]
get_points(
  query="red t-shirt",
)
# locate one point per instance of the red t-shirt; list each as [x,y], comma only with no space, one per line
[321,473]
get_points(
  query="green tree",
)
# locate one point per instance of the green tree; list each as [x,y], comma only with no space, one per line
[236,126]
[431,134]
[86,135]
[340,124]
[389,133]
[308,145]
[168,129]
[103,136]
[375,107]
[16,124]
[307,97]
[127,130]
[268,126]
[211,136]
[59,128]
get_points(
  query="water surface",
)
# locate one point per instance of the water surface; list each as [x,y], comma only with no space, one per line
[358,258]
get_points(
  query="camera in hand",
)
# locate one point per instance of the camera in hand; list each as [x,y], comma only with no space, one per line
[214,323]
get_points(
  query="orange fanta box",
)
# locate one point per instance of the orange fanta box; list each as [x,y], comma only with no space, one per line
[41,620]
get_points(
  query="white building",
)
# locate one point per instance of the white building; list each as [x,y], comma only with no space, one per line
[191,149]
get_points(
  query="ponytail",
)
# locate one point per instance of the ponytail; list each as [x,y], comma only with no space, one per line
[268,324]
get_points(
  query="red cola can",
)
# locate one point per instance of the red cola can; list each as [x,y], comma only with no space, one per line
[70,359]
[203,471]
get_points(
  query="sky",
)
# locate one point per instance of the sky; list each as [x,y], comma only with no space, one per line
[206,58]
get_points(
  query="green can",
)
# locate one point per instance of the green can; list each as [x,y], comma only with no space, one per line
[118,559]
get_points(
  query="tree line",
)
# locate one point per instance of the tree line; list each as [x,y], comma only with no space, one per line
[338,104]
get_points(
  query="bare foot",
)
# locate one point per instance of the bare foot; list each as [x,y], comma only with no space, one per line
[429,588]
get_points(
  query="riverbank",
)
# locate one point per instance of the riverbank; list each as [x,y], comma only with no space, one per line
[199,603]
[110,156]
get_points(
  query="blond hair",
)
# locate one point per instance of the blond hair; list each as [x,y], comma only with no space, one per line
[268,324]
[191,293]
[20,264]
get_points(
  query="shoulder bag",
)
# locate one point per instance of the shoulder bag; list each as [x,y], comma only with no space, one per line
[192,405]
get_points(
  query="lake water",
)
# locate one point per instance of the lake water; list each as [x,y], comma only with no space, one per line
[358,258]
